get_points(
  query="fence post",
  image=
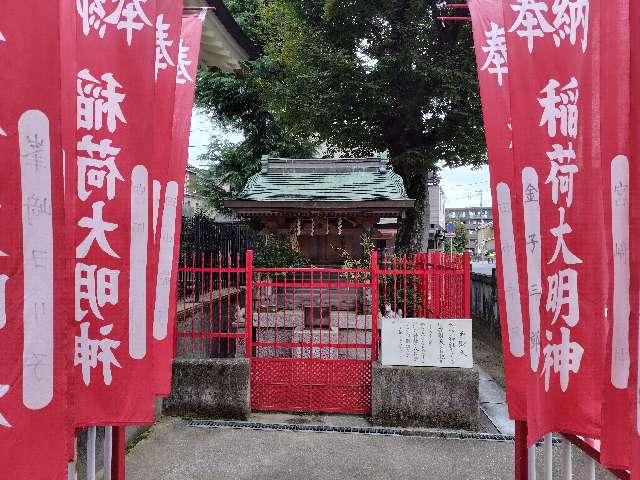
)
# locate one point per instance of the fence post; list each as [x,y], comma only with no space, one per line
[467,284]
[521,454]
[438,279]
[119,444]
[248,305]
[375,305]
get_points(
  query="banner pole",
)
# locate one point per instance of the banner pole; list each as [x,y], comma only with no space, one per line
[521,456]
[119,444]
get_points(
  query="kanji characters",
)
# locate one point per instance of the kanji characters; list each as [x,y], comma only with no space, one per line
[496,51]
[569,16]
[89,352]
[561,246]
[163,59]
[124,17]
[563,290]
[561,106]
[97,99]
[93,172]
[97,286]
[531,22]
[98,228]
[183,62]
[564,358]
[562,172]
[92,13]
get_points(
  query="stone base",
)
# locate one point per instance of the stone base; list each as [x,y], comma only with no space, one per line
[273,335]
[425,397]
[316,337]
[213,388]
[361,337]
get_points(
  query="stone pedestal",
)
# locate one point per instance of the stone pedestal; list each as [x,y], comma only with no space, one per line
[315,336]
[281,319]
[351,336]
[215,388]
[279,335]
[425,397]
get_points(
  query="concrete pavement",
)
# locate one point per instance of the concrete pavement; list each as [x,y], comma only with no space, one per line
[175,451]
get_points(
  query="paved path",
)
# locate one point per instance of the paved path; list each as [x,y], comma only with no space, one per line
[175,451]
[493,403]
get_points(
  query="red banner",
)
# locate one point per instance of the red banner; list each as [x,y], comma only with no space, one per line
[168,27]
[634,323]
[171,209]
[553,75]
[493,75]
[615,145]
[112,207]
[34,431]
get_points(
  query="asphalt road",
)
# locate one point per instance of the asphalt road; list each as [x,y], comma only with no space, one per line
[174,451]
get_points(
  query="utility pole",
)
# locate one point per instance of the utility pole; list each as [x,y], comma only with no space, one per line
[481,193]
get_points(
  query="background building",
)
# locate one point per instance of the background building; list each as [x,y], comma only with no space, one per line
[473,218]
[486,239]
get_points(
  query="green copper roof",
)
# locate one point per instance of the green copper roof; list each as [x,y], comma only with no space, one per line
[334,179]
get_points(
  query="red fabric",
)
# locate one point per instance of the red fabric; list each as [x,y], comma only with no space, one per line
[615,144]
[169,19]
[493,75]
[34,433]
[112,172]
[634,323]
[561,64]
[184,93]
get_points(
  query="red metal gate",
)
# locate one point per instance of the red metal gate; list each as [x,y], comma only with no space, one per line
[311,334]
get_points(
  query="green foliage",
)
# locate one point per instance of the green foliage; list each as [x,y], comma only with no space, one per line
[461,239]
[375,75]
[351,263]
[274,251]
[234,102]
[387,283]
[358,77]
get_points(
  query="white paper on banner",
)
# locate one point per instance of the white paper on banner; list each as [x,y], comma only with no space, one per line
[427,342]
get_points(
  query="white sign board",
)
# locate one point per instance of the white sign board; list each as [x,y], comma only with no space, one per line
[427,342]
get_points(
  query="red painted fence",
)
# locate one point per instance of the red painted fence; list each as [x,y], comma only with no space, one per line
[311,333]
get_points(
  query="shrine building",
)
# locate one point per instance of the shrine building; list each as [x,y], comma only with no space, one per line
[325,205]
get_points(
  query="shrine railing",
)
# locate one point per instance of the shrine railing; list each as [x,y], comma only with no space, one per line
[227,308]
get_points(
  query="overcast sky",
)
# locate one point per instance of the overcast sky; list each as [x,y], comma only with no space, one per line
[463,187]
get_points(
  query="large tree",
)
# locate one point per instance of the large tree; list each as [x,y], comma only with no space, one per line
[234,101]
[365,76]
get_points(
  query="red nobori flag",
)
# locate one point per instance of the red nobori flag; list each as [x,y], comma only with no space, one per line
[168,27]
[112,170]
[493,75]
[34,431]
[171,208]
[634,324]
[553,76]
[615,146]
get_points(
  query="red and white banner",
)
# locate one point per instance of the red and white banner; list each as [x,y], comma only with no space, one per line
[34,299]
[554,79]
[615,146]
[634,323]
[168,27]
[113,168]
[171,209]
[493,75]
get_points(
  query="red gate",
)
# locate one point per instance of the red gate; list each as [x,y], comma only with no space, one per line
[311,334]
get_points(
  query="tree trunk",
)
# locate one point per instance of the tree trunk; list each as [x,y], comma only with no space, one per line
[413,229]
